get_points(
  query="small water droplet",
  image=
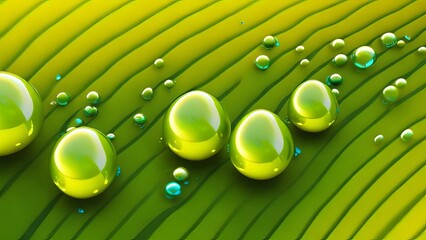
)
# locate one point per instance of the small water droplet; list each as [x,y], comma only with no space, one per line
[228,148]
[422,50]
[180,174]
[304,62]
[111,136]
[90,111]
[172,190]
[300,49]
[269,42]
[169,83]
[139,119]
[390,93]
[363,57]
[400,83]
[334,79]
[186,183]
[118,171]
[53,103]
[80,210]
[242,22]
[159,63]
[62,99]
[58,77]
[147,93]
[78,121]
[407,37]
[407,134]
[277,42]
[340,60]
[337,43]
[263,62]
[297,151]
[335,92]
[379,138]
[400,43]
[93,98]
[388,39]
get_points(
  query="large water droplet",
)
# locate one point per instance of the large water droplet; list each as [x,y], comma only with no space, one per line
[21,113]
[180,174]
[83,160]
[63,99]
[263,62]
[390,93]
[388,39]
[363,57]
[312,106]
[172,190]
[337,43]
[147,93]
[196,126]
[334,79]
[261,146]
[93,98]
[340,60]
[407,134]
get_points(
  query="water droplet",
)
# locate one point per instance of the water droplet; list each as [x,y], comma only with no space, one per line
[407,37]
[263,62]
[159,63]
[269,42]
[147,93]
[363,57]
[334,79]
[80,210]
[407,134]
[180,174]
[195,124]
[335,92]
[400,43]
[111,136]
[277,42]
[118,171]
[228,148]
[90,111]
[422,50]
[340,60]
[337,43]
[172,190]
[62,99]
[139,118]
[379,138]
[300,49]
[53,103]
[268,159]
[186,183]
[400,83]
[312,106]
[169,83]
[242,22]
[93,98]
[390,93]
[304,62]
[58,77]
[82,160]
[388,39]
[297,151]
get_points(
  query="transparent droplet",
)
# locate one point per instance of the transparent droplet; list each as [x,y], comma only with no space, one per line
[379,138]
[228,148]
[172,190]
[400,83]
[363,57]
[422,50]
[407,134]
[90,111]
[334,79]
[263,62]
[388,39]
[147,93]
[180,174]
[297,151]
[93,98]
[118,171]
[390,93]
[269,42]
[335,92]
[304,62]
[300,49]
[53,103]
[139,118]
[400,43]
[159,63]
[186,183]
[80,210]
[277,42]
[62,98]
[169,83]
[337,43]
[242,22]
[111,136]
[340,60]
[58,77]
[78,121]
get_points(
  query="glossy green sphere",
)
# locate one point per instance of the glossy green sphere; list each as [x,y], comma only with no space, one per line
[83,162]
[21,113]
[363,57]
[261,145]
[196,126]
[312,106]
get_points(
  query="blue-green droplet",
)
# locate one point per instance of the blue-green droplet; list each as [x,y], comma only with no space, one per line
[58,77]
[363,57]
[80,210]
[172,190]
[139,119]
[147,93]
[118,171]
[111,136]
[263,62]
[407,37]
[297,151]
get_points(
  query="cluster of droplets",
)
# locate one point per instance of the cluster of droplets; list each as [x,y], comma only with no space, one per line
[93,99]
[263,62]
[391,92]
[174,188]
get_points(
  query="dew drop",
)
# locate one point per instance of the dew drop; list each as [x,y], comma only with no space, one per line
[335,92]
[388,39]
[422,50]
[242,22]
[300,49]
[159,63]
[304,62]
[400,43]
[93,98]
[340,60]
[379,138]
[400,83]
[169,83]
[62,98]
[337,43]
[80,210]
[118,171]
[111,136]
[172,190]
[390,93]
[58,77]
[269,42]
[180,174]
[147,93]
[363,57]
[407,134]
[334,79]
[407,37]
[297,151]
[78,122]
[139,119]
[263,62]
[53,103]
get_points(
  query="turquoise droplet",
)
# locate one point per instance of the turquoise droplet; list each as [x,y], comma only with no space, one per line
[363,57]
[80,210]
[58,77]
[118,171]
[388,39]
[62,99]
[172,190]
[407,37]
[263,62]
[297,151]
[304,62]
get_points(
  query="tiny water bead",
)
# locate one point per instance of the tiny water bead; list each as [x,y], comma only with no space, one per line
[263,62]
[363,57]
[335,92]
[337,43]
[340,60]
[62,99]
[90,111]
[297,151]
[139,118]
[312,106]
[261,146]
[147,93]
[58,77]
[196,126]
[422,50]
[180,174]
[111,136]
[400,83]
[390,93]
[159,63]
[304,62]
[269,42]
[407,135]
[53,103]
[379,138]
[118,173]
[169,83]
[300,49]
[400,43]
[407,37]
[334,79]
[172,190]
[93,98]
[80,210]
[21,113]
[83,162]
[388,39]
